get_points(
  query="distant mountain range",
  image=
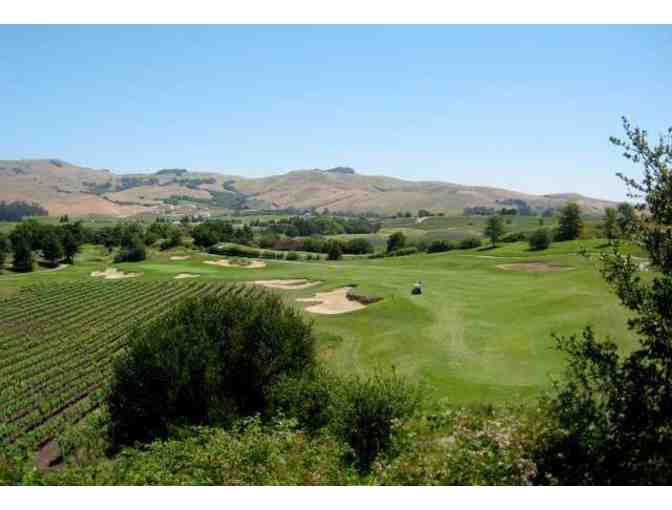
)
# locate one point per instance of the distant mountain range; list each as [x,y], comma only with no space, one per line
[62,188]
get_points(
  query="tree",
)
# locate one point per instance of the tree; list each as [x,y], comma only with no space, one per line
[626,218]
[570,223]
[334,251]
[23,255]
[540,240]
[494,229]
[609,227]
[4,250]
[396,241]
[52,248]
[71,246]
[609,420]
[133,250]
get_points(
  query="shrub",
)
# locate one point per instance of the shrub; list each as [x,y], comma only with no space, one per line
[409,250]
[358,246]
[470,242]
[207,361]
[292,255]
[365,410]
[440,246]
[306,398]
[540,239]
[252,453]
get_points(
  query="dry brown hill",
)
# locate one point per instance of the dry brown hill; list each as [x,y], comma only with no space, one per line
[61,188]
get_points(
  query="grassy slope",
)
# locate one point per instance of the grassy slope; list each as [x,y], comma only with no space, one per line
[477,334]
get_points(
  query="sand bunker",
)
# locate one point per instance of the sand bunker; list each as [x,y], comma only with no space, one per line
[286,284]
[534,267]
[332,303]
[182,276]
[180,257]
[112,273]
[253,264]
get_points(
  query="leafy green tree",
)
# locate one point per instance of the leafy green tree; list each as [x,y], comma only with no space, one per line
[540,239]
[626,218]
[211,360]
[396,241]
[610,225]
[610,419]
[71,246]
[52,248]
[23,255]
[334,251]
[133,250]
[494,229]
[4,250]
[570,223]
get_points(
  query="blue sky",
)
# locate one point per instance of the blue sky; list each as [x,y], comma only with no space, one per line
[519,107]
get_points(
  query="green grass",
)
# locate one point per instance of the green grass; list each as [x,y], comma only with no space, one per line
[477,334]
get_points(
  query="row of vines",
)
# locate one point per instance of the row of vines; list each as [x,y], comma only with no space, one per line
[57,344]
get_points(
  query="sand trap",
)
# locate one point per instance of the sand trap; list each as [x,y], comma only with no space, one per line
[182,276]
[286,284]
[332,303]
[112,273]
[534,267]
[254,264]
[180,257]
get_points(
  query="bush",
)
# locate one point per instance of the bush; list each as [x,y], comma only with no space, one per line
[440,246]
[253,453]
[358,246]
[292,255]
[470,242]
[208,361]
[540,239]
[409,250]
[307,398]
[365,410]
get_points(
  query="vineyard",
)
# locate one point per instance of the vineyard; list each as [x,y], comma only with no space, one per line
[57,344]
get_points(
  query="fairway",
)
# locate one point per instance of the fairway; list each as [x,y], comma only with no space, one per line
[478,333]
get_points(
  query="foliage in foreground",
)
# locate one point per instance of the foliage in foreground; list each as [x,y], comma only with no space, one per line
[610,420]
[456,446]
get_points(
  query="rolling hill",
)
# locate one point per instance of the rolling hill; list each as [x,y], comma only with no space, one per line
[62,187]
